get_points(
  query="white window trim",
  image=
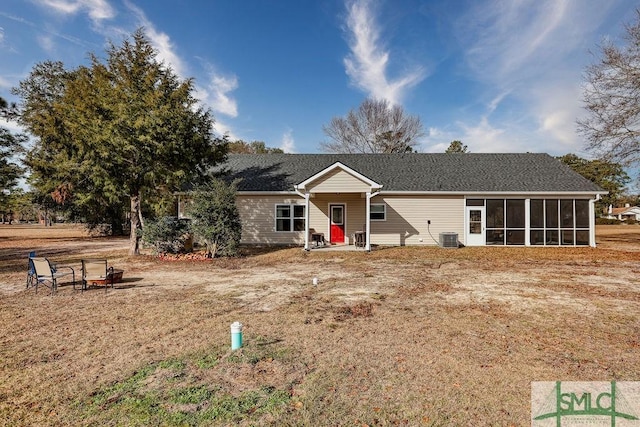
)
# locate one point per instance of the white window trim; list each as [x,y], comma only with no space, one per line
[384,212]
[292,218]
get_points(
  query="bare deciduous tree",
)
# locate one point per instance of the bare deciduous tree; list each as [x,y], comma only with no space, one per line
[375,127]
[612,99]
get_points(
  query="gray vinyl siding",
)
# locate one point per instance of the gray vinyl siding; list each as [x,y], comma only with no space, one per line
[338,181]
[406,219]
[258,217]
[355,209]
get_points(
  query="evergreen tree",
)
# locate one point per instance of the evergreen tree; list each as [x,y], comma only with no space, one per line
[215,217]
[113,132]
[457,147]
[10,171]
[608,175]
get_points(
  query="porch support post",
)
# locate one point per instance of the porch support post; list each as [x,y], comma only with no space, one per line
[306,222]
[367,246]
[306,196]
[527,222]
[592,221]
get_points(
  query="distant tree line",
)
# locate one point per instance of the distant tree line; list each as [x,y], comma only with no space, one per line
[254,147]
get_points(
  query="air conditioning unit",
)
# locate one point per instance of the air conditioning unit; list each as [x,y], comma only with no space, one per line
[448,240]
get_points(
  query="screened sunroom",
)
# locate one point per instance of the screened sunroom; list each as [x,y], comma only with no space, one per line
[531,222]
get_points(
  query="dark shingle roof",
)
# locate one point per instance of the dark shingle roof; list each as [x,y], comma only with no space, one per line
[468,172]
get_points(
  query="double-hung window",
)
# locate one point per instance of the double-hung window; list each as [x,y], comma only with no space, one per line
[290,217]
[378,212]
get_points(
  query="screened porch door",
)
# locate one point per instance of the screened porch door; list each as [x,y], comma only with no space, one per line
[475,226]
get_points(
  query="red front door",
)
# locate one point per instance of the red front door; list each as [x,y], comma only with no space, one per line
[336,213]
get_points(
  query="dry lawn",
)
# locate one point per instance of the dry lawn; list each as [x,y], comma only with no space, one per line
[398,336]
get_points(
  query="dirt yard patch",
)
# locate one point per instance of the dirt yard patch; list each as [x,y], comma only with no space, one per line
[407,336]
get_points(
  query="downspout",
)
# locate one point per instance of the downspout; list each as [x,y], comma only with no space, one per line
[592,221]
[305,196]
[368,220]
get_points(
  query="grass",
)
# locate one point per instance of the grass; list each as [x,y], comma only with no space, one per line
[399,336]
[175,392]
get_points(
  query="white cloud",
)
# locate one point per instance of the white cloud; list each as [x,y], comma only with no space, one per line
[46,43]
[13,127]
[219,99]
[288,144]
[480,137]
[51,33]
[160,41]
[436,140]
[509,38]
[556,111]
[97,10]
[487,138]
[367,63]
[4,83]
[221,128]
[495,102]
[555,123]
[166,52]
[216,92]
[533,53]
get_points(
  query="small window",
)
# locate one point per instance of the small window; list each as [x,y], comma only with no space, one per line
[298,218]
[378,212]
[290,217]
[283,218]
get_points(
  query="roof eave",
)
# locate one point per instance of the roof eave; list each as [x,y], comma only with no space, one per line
[491,193]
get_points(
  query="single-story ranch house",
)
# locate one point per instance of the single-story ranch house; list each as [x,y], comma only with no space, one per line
[628,212]
[411,199]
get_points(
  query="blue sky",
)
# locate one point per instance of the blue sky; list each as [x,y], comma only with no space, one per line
[502,76]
